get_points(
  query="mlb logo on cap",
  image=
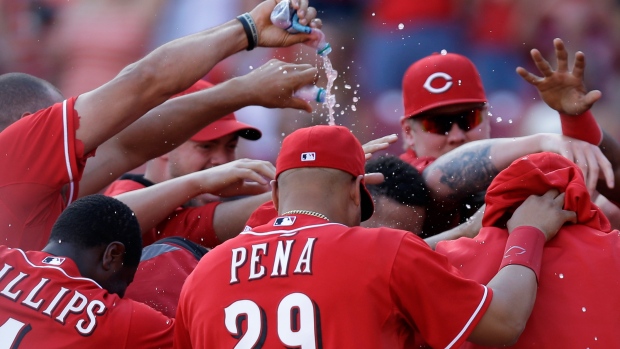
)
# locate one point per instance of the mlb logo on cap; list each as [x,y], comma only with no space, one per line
[53,260]
[310,156]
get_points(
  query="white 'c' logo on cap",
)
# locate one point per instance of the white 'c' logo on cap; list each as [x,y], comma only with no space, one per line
[444,88]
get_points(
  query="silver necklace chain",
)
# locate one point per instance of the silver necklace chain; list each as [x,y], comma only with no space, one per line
[306,212]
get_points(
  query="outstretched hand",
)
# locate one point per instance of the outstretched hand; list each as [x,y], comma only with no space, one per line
[561,89]
[239,177]
[542,212]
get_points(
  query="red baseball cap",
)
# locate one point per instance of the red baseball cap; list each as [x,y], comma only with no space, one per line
[439,80]
[223,126]
[329,147]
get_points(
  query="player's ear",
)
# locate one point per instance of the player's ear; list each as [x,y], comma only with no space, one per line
[354,190]
[113,256]
[274,193]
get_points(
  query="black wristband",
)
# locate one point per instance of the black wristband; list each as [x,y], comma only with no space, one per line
[250,30]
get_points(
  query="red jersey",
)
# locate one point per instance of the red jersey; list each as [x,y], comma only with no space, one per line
[300,281]
[192,223]
[40,158]
[420,163]
[577,298]
[45,303]
[163,268]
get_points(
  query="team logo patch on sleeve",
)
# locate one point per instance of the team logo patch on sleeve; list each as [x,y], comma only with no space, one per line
[53,260]
[284,221]
[309,156]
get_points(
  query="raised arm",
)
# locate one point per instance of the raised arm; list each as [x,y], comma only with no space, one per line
[471,167]
[173,122]
[536,221]
[240,177]
[564,90]
[170,69]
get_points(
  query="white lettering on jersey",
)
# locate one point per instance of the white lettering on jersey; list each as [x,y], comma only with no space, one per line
[88,330]
[55,301]
[7,289]
[75,305]
[79,304]
[29,301]
[444,88]
[282,258]
[255,261]
[238,260]
[281,261]
[4,270]
[306,258]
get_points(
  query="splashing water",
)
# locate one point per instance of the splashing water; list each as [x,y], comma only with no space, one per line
[330,99]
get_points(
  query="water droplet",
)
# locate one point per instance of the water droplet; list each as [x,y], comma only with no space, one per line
[510,121]
[251,67]
[561,276]
[373,14]
[353,108]
[355,99]
[468,206]
[444,52]
[285,72]
[498,119]
[583,309]
[401,26]
[348,87]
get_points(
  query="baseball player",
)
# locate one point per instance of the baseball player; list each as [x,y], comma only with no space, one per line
[577,293]
[312,278]
[45,153]
[214,221]
[446,108]
[70,294]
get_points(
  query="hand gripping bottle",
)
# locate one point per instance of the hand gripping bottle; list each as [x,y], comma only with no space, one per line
[285,17]
[311,93]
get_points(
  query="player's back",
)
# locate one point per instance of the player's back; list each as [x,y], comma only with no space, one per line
[45,303]
[305,283]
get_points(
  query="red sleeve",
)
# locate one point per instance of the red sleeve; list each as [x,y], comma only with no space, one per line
[149,328]
[433,296]
[181,333]
[122,186]
[194,223]
[42,149]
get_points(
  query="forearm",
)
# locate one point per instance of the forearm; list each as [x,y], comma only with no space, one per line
[452,234]
[514,293]
[230,217]
[153,204]
[470,168]
[165,127]
[143,85]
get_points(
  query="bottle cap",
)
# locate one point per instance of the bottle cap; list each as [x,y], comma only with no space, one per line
[320,95]
[325,50]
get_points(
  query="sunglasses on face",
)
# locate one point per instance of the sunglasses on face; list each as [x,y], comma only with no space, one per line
[442,124]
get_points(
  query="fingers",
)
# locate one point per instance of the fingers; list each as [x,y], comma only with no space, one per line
[580,65]
[561,55]
[606,167]
[374,178]
[592,97]
[550,194]
[527,76]
[569,216]
[307,16]
[543,66]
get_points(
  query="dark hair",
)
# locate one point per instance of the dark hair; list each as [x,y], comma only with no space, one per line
[22,93]
[98,220]
[403,183]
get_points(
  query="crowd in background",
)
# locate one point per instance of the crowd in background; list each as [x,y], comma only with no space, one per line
[80,44]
